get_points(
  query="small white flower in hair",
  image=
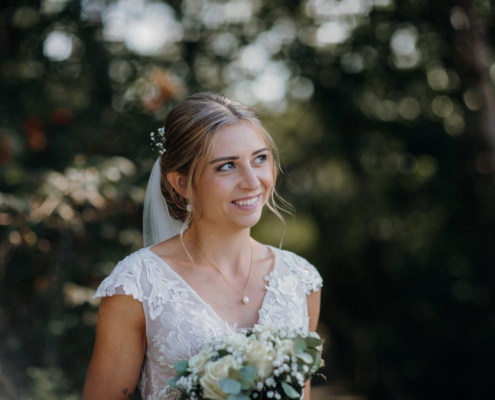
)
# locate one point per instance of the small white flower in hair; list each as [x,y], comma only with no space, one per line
[159,143]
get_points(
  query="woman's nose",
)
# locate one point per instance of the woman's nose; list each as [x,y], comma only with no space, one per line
[250,179]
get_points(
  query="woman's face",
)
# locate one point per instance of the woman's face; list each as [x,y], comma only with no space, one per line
[237,180]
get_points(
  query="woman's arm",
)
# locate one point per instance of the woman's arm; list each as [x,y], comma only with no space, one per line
[119,350]
[314,302]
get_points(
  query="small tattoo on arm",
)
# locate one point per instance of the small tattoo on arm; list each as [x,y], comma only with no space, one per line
[127,394]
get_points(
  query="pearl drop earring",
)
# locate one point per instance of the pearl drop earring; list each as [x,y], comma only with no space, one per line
[188,208]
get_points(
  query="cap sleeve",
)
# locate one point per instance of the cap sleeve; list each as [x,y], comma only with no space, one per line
[308,275]
[124,279]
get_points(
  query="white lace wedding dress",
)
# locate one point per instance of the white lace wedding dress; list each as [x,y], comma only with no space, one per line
[178,321]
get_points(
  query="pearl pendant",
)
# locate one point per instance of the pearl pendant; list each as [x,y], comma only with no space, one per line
[245,300]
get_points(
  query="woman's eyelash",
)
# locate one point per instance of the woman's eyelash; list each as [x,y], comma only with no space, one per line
[220,168]
[264,157]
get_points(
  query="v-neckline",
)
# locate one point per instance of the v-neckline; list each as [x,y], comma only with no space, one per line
[208,305]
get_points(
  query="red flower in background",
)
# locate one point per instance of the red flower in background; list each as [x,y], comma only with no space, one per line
[35,135]
[162,86]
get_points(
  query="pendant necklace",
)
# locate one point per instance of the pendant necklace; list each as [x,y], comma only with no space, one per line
[244,299]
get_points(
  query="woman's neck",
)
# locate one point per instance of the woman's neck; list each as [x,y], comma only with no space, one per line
[227,250]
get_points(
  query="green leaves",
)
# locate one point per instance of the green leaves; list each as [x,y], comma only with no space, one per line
[237,381]
[172,382]
[181,367]
[313,342]
[229,386]
[305,357]
[303,343]
[248,373]
[238,397]
[290,391]
[299,345]
[316,364]
[306,350]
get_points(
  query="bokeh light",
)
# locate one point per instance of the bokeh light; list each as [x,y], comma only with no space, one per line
[58,46]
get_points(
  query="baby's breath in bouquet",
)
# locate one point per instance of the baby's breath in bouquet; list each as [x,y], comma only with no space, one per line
[255,364]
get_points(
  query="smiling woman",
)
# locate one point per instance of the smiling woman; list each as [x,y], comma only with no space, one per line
[200,275]
[239,178]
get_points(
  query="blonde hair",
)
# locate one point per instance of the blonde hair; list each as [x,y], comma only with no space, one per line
[191,129]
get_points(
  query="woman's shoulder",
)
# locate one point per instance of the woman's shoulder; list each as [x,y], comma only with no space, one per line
[307,273]
[125,278]
[133,262]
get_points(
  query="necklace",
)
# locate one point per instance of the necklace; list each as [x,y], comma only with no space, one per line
[244,299]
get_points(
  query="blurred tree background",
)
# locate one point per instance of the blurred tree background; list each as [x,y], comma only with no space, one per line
[384,114]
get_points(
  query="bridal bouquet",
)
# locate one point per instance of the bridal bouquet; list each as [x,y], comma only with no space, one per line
[257,364]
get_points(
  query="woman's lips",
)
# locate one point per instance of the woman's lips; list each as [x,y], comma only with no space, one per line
[247,203]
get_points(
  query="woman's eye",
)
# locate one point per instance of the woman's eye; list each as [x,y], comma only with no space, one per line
[261,158]
[226,167]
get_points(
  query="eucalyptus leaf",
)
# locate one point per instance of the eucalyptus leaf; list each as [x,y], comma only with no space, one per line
[290,391]
[248,373]
[316,364]
[312,352]
[305,357]
[229,386]
[313,342]
[173,382]
[299,345]
[238,397]
[181,367]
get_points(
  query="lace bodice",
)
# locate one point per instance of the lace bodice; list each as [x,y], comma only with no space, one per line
[178,320]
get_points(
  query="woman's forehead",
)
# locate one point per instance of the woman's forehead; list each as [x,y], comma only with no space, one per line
[240,137]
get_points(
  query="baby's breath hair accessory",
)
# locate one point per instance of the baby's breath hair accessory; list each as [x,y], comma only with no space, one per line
[159,140]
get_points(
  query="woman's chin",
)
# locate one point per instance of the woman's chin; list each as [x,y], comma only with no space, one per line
[248,221]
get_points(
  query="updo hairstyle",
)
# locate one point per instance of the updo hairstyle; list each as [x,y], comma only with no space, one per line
[191,129]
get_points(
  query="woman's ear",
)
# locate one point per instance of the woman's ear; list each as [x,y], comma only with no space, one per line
[178,182]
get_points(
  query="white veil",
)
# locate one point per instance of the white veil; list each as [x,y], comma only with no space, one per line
[158,225]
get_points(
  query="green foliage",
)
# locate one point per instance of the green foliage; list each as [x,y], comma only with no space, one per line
[299,345]
[248,374]
[305,357]
[312,342]
[316,363]
[181,367]
[173,382]
[290,391]
[305,349]
[237,397]
[229,386]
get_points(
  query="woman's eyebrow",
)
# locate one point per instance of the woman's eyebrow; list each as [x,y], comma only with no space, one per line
[229,158]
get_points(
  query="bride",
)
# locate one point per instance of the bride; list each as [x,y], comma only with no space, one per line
[201,274]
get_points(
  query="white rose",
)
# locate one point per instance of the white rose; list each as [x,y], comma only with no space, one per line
[199,361]
[214,371]
[237,340]
[257,354]
[287,346]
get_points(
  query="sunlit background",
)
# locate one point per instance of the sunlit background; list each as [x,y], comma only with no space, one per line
[384,114]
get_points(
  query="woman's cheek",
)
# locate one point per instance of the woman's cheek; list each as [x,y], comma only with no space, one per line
[269,183]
